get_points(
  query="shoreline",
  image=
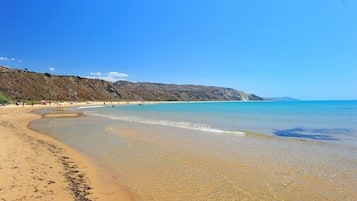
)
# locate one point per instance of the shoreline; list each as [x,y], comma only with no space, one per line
[37,166]
[283,168]
[158,161]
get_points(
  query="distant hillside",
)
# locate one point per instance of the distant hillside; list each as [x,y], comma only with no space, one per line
[24,85]
[173,92]
[282,99]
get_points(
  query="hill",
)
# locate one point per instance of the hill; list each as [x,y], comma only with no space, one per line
[282,99]
[173,92]
[24,85]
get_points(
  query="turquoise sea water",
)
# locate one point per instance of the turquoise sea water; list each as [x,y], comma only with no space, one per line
[303,150]
[329,121]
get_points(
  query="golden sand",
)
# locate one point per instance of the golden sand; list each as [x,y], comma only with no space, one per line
[160,167]
[36,167]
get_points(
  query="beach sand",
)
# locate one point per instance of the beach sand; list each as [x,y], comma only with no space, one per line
[37,167]
[185,165]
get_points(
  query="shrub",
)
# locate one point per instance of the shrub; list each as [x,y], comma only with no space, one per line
[2,97]
[47,75]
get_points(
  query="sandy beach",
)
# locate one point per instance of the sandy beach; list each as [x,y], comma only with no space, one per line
[97,158]
[172,163]
[37,167]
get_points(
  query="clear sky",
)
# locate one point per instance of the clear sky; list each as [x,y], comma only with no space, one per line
[305,49]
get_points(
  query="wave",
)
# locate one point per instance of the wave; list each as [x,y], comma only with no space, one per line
[176,124]
[86,107]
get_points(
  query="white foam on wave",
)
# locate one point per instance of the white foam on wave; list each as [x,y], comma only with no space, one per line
[86,107]
[176,124]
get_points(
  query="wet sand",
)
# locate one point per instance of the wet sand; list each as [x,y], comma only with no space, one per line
[37,167]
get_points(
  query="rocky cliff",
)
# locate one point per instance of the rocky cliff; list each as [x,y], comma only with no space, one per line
[24,85]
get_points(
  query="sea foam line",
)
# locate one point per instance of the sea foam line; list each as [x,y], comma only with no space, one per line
[176,124]
[86,107]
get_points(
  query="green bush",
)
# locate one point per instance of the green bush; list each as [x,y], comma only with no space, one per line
[48,75]
[2,97]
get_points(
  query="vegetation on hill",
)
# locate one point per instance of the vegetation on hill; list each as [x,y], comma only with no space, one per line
[2,98]
[23,85]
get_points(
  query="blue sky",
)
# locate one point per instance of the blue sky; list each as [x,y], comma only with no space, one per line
[305,49]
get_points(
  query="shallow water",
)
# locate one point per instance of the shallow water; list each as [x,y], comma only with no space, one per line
[300,119]
[172,161]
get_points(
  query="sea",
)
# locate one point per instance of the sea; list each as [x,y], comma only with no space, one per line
[283,150]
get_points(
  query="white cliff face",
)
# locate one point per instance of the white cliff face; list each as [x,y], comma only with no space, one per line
[245,97]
